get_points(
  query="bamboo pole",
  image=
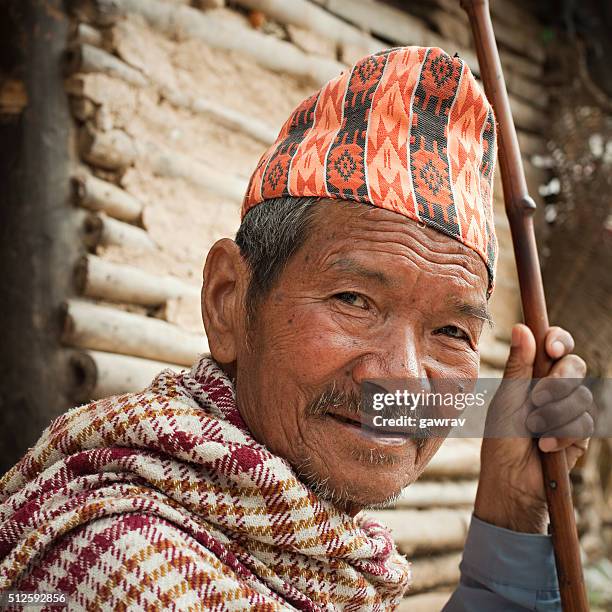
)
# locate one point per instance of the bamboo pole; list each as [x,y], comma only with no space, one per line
[421,531]
[97,374]
[89,326]
[101,196]
[102,231]
[87,58]
[520,208]
[105,280]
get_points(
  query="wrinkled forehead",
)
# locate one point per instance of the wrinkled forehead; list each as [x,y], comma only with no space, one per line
[347,234]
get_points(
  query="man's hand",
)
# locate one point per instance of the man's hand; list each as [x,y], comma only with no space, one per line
[511,488]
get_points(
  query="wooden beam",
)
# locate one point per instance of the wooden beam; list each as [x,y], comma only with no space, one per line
[494,352]
[90,326]
[528,91]
[521,65]
[86,58]
[89,60]
[451,26]
[510,13]
[424,494]
[307,15]
[97,278]
[227,117]
[424,602]
[397,26]
[97,374]
[519,42]
[182,22]
[456,458]
[101,196]
[83,33]
[435,572]
[420,531]
[111,150]
[527,117]
[102,231]
[115,150]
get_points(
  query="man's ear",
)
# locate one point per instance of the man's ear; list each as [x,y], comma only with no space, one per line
[226,278]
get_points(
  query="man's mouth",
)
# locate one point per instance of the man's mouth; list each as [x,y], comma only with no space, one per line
[368,430]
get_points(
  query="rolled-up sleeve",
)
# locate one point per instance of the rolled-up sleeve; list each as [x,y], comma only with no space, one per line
[507,571]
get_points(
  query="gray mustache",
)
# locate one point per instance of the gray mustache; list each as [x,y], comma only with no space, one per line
[350,401]
[332,398]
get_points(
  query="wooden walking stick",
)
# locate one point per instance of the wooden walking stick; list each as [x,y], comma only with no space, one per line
[520,208]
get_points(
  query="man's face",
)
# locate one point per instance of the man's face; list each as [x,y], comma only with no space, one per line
[370,295]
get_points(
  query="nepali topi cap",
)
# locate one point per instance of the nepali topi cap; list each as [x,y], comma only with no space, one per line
[407,129]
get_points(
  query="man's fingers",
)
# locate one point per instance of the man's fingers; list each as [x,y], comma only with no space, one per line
[562,437]
[574,449]
[522,353]
[554,415]
[577,445]
[570,366]
[558,342]
[553,389]
[574,452]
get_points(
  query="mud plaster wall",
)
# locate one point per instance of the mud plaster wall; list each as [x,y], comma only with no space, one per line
[182,217]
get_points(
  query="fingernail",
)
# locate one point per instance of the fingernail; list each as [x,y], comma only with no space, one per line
[541,397]
[515,339]
[558,347]
[548,444]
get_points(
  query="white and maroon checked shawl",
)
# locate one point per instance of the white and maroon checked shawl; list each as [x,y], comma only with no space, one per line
[163,500]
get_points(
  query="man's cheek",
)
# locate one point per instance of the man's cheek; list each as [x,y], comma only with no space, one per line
[316,341]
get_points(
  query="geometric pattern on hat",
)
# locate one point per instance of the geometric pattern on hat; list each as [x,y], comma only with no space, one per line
[407,129]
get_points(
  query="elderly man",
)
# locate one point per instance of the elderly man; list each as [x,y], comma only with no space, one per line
[366,251]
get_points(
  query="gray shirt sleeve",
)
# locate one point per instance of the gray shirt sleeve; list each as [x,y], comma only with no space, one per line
[506,571]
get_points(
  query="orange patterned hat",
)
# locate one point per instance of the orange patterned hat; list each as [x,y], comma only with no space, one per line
[407,129]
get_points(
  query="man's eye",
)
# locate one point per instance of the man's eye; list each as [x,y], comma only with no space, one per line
[452,332]
[354,299]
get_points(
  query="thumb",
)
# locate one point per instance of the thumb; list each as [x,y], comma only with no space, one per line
[522,353]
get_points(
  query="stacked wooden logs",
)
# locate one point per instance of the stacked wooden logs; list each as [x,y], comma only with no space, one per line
[126,61]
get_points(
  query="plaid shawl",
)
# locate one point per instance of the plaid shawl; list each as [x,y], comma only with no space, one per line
[163,500]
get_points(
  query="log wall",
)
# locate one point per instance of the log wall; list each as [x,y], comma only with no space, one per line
[173,104]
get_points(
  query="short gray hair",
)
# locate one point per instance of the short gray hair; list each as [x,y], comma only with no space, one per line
[269,235]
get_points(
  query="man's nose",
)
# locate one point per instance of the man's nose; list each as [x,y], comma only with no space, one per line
[399,356]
